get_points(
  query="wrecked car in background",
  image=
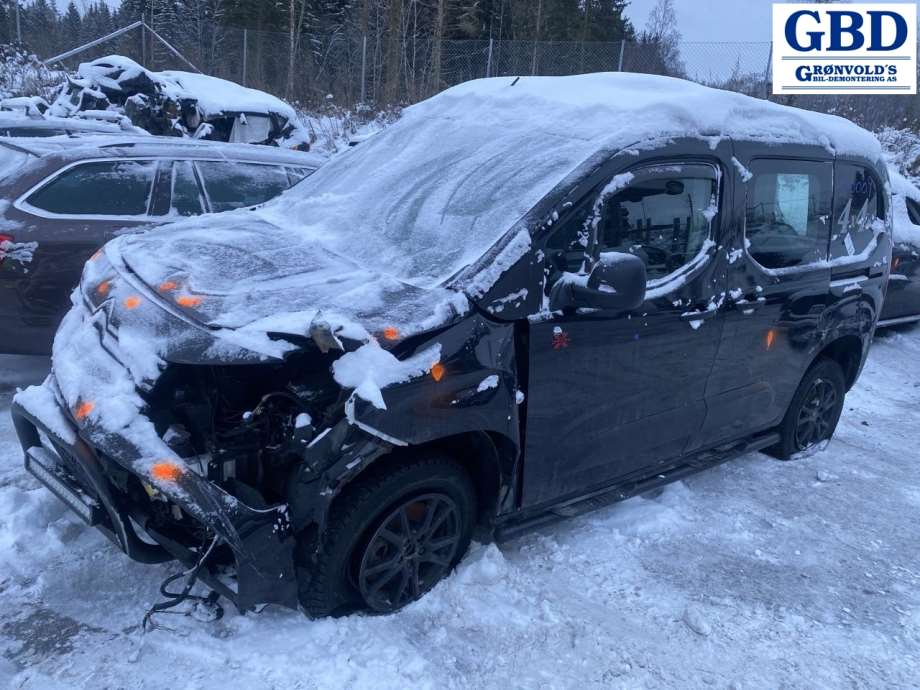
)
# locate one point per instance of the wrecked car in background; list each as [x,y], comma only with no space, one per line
[62,199]
[176,103]
[902,303]
[329,394]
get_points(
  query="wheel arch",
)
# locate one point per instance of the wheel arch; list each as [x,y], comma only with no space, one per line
[847,351]
[488,457]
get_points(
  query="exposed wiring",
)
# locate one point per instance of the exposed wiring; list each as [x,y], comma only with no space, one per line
[176,598]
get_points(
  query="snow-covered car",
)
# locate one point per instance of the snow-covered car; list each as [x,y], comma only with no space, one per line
[176,103]
[57,127]
[524,300]
[902,303]
[62,199]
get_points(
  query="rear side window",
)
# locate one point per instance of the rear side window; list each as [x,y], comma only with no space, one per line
[787,219]
[237,185]
[186,196]
[103,188]
[858,203]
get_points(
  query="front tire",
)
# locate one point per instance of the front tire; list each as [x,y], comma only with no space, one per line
[815,410]
[391,537]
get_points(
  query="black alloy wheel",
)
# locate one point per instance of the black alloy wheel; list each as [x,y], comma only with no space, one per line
[413,548]
[817,415]
[814,411]
[391,536]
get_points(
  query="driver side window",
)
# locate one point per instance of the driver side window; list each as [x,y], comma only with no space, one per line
[662,214]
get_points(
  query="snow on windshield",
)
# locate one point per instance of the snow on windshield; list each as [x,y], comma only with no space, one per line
[12,160]
[428,197]
[432,193]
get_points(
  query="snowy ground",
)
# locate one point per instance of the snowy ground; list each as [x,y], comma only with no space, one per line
[755,574]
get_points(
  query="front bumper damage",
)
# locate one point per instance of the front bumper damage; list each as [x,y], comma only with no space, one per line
[94,434]
[260,539]
[86,436]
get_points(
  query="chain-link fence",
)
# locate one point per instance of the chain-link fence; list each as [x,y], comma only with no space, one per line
[375,71]
[378,70]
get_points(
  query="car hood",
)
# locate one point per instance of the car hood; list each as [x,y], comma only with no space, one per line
[244,273]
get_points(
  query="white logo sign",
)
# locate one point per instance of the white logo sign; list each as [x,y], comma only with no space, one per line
[847,48]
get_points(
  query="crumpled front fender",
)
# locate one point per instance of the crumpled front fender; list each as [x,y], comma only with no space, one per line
[477,391]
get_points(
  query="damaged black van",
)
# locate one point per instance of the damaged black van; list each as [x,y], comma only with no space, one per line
[547,295]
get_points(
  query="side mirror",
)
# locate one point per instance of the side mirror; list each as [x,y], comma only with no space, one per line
[616,283]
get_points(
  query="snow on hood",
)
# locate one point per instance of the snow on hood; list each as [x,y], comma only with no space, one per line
[239,271]
[433,192]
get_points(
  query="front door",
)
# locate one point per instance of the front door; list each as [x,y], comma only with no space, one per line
[618,394]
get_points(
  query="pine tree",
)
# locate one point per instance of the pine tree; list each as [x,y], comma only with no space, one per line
[7,27]
[40,28]
[71,25]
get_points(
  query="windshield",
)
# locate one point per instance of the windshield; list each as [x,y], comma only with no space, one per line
[428,196]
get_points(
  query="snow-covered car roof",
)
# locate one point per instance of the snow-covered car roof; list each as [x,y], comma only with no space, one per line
[431,193]
[419,205]
[48,122]
[147,145]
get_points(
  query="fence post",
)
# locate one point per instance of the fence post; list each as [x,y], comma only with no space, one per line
[766,74]
[363,69]
[489,60]
[143,43]
[245,53]
[620,61]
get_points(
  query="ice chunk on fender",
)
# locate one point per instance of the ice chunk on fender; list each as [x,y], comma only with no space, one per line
[371,368]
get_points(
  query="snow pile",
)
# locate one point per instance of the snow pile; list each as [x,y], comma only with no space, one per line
[370,368]
[488,383]
[23,252]
[22,74]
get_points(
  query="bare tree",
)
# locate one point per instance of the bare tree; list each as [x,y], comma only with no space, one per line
[661,40]
[439,23]
[296,11]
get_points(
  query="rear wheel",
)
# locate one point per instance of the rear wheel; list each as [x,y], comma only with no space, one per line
[391,537]
[814,411]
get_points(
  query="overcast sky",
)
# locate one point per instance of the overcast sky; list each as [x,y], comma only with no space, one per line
[716,20]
